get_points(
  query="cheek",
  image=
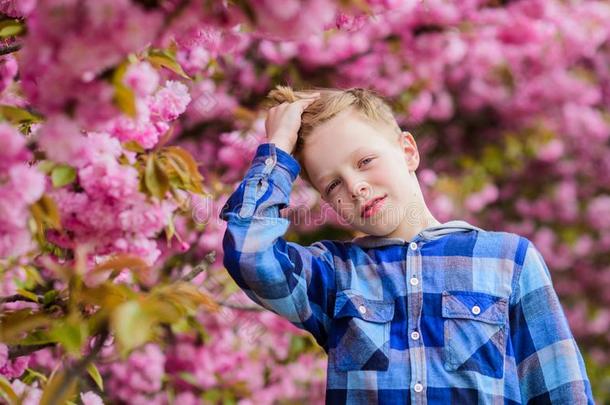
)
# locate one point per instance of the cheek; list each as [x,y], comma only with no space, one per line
[343,205]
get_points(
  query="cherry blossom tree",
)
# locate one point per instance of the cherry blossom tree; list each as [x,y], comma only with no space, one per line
[126,124]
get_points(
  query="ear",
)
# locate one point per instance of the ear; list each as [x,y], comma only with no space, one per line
[409,148]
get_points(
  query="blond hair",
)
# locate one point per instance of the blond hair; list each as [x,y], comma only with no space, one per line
[330,103]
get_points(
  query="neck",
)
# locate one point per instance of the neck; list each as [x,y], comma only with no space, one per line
[412,225]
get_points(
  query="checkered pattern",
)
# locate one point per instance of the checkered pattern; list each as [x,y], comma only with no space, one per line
[457,315]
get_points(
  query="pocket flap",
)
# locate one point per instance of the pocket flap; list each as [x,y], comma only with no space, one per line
[474,305]
[352,304]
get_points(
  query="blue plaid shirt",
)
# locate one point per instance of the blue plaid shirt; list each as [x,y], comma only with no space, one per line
[456,315]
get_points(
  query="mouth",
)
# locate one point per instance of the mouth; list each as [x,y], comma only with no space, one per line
[371,207]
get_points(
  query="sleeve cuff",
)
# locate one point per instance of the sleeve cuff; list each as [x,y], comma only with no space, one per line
[282,158]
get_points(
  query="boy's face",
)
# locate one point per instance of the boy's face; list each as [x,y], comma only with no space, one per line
[352,161]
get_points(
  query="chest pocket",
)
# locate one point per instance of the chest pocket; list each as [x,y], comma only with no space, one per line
[360,336]
[474,332]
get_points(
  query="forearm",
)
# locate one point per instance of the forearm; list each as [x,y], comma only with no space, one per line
[550,366]
[274,273]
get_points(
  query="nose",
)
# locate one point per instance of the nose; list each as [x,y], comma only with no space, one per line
[360,188]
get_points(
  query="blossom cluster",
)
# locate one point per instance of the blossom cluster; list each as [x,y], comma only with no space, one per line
[508,104]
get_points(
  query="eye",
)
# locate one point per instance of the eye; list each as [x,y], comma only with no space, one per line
[366,160]
[331,187]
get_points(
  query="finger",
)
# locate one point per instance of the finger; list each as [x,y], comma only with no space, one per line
[304,94]
[306,100]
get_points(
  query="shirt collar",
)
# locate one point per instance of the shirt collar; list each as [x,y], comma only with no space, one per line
[429,233]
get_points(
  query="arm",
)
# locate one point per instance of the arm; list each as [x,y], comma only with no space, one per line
[291,280]
[550,367]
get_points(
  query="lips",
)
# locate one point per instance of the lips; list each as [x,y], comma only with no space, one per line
[370,204]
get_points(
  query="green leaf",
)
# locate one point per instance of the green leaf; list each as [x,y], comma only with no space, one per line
[155,179]
[182,168]
[132,326]
[10,28]
[37,337]
[189,378]
[33,275]
[27,294]
[58,390]
[45,212]
[160,58]
[62,175]
[7,390]
[71,334]
[95,374]
[46,166]
[14,324]
[125,100]
[107,295]
[33,375]
[119,262]
[133,146]
[170,229]
[16,115]
[212,395]
[50,297]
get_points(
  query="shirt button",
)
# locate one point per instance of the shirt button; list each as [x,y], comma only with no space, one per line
[413,246]
[415,335]
[418,387]
[414,281]
[476,310]
[362,309]
[269,161]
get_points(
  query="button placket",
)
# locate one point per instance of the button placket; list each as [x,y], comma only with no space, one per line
[414,309]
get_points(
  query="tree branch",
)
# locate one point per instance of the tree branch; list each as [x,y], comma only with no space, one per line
[74,372]
[9,49]
[22,350]
[240,308]
[18,297]
[201,267]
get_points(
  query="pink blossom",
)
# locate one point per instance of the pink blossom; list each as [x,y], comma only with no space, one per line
[12,147]
[109,179]
[420,106]
[209,103]
[294,18]
[63,142]
[12,368]
[142,78]
[67,47]
[551,151]
[91,398]
[170,101]
[143,131]
[17,8]
[141,374]
[8,70]
[598,212]
[31,393]
[20,186]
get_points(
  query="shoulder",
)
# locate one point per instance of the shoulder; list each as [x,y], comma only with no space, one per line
[501,245]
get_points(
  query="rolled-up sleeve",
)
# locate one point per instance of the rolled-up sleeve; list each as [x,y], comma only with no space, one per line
[294,281]
[550,366]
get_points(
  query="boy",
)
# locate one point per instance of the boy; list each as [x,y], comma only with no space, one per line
[414,311]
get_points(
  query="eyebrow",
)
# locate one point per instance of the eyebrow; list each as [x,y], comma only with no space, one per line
[322,178]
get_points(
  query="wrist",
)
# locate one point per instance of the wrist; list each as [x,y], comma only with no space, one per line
[283,145]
